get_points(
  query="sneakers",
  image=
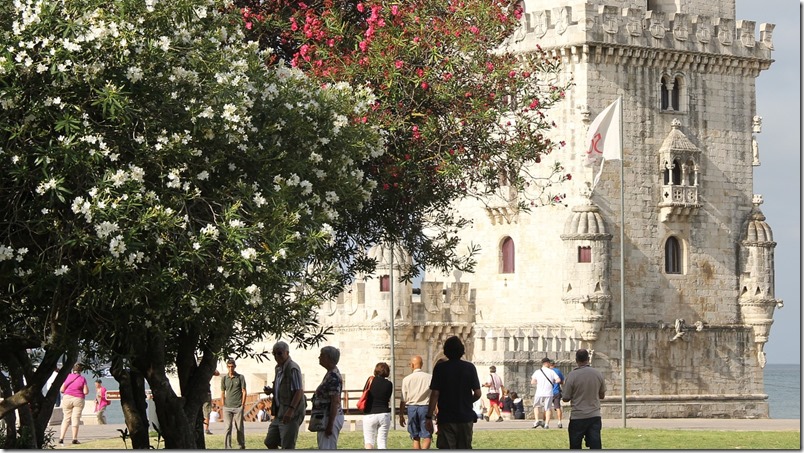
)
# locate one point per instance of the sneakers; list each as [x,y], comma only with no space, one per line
[61,441]
[499,419]
[207,432]
[546,426]
[486,417]
[539,424]
[560,425]
[75,442]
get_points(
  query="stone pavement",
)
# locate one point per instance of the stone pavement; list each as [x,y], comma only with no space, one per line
[92,432]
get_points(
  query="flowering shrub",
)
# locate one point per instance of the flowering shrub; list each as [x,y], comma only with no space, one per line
[462,114]
[157,177]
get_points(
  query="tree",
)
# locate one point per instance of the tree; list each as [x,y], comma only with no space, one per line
[462,114]
[164,193]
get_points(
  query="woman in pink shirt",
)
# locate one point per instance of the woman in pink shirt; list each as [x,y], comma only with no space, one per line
[72,403]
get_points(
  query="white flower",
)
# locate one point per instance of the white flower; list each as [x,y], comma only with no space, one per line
[249,253]
[6,253]
[45,186]
[105,229]
[196,246]
[117,246]
[259,200]
[61,270]
[211,231]
[204,175]
[236,223]
[134,74]
[306,186]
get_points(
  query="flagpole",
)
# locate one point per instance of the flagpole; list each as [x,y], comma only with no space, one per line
[622,267]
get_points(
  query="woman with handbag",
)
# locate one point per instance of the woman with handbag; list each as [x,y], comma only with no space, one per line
[377,420]
[327,400]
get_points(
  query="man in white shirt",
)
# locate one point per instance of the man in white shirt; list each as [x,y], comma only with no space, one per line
[543,378]
[415,401]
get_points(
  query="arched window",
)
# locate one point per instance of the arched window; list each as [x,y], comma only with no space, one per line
[665,93]
[507,256]
[676,173]
[673,90]
[675,96]
[672,256]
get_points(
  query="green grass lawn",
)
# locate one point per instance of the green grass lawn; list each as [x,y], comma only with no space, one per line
[528,439]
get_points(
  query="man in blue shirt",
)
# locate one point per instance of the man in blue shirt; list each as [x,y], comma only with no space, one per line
[557,392]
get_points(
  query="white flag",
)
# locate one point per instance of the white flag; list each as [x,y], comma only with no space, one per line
[603,139]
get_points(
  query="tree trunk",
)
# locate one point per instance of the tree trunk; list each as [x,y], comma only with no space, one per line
[175,426]
[26,385]
[10,418]
[132,400]
[194,376]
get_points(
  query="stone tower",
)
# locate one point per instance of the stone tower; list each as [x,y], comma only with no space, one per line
[698,291]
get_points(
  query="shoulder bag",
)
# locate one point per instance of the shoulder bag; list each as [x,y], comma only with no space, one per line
[362,403]
[492,396]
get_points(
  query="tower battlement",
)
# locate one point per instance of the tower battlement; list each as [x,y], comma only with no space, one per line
[593,24]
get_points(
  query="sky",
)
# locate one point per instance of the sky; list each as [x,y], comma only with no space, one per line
[778,178]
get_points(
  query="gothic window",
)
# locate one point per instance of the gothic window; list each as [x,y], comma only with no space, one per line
[676,173]
[672,256]
[385,283]
[673,90]
[665,93]
[584,254]
[507,256]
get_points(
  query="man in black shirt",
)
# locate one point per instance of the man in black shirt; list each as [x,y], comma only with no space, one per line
[454,387]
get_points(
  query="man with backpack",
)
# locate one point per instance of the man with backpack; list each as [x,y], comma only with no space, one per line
[543,378]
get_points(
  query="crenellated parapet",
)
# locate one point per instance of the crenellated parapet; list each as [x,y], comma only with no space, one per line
[620,35]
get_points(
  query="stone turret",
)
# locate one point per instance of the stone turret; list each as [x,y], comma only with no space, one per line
[757,296]
[586,271]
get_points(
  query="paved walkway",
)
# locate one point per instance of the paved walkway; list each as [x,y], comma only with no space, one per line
[92,432]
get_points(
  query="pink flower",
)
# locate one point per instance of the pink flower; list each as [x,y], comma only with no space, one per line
[363,45]
[399,64]
[425,86]
[489,66]
[394,10]
[360,7]
[474,30]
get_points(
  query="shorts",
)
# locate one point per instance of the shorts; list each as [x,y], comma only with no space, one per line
[454,436]
[416,422]
[556,403]
[206,408]
[543,402]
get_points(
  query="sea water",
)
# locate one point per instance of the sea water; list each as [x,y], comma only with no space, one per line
[782,384]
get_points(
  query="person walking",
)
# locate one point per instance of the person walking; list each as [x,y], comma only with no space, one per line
[556,403]
[328,397]
[206,408]
[101,401]
[74,390]
[453,389]
[289,403]
[584,388]
[495,389]
[377,420]
[414,399]
[543,378]
[233,396]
